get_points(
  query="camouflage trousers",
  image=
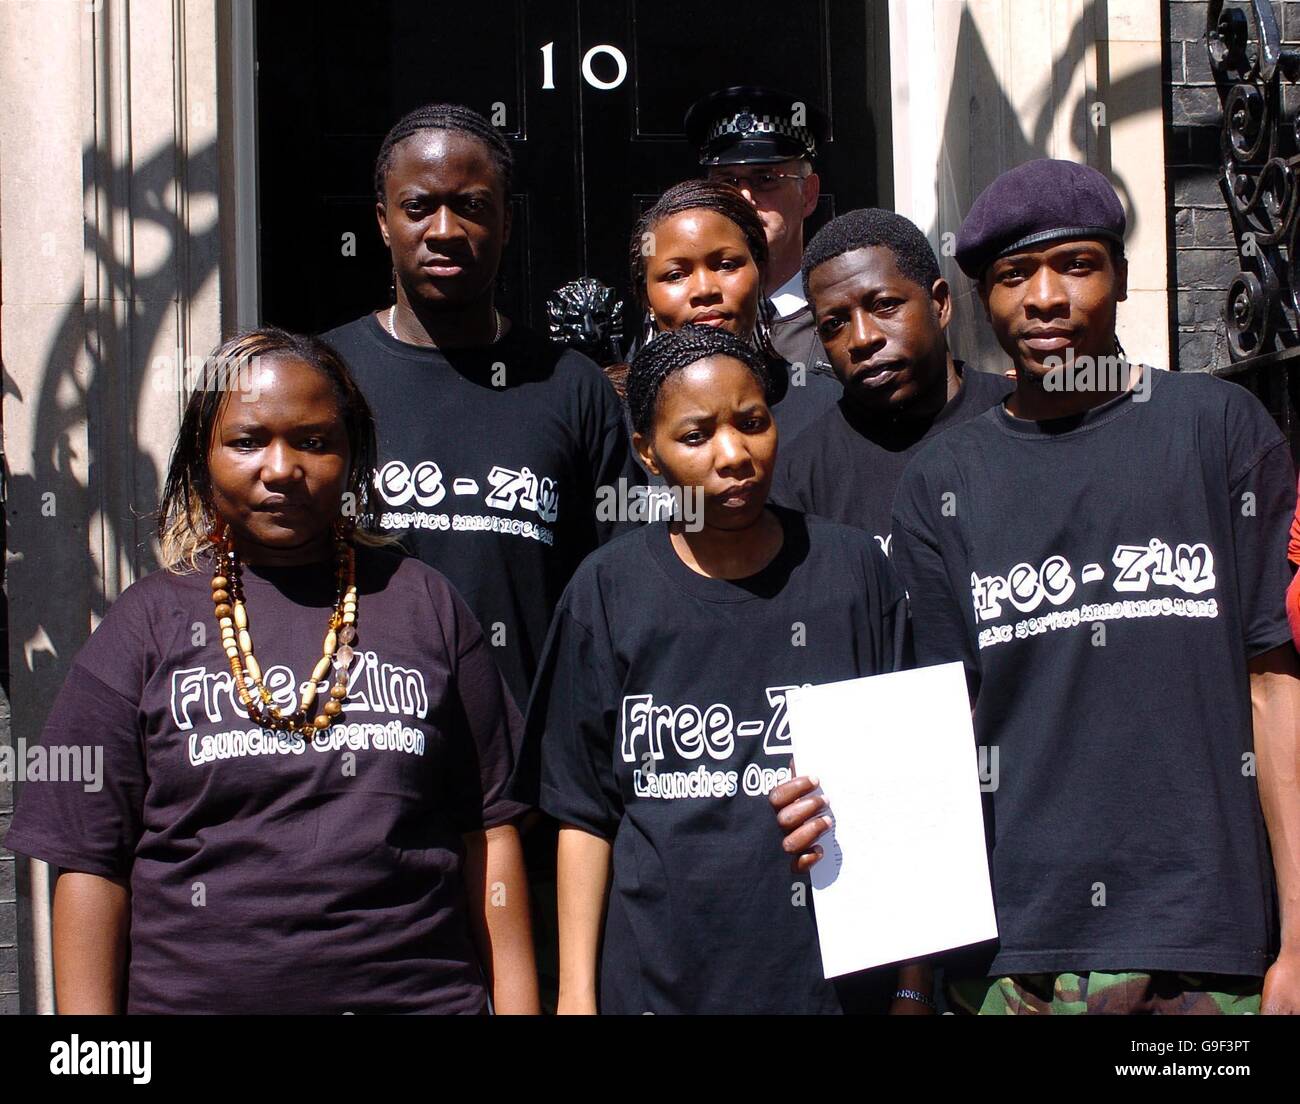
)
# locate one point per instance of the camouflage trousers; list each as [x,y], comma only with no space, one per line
[1094,993]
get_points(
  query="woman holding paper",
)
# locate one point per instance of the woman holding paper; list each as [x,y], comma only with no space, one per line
[659,710]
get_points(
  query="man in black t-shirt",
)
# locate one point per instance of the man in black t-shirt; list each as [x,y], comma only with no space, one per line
[1107,556]
[494,444]
[882,311]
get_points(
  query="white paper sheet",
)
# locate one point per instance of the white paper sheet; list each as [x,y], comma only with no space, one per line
[905,872]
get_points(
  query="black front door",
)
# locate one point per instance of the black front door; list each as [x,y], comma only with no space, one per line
[591,95]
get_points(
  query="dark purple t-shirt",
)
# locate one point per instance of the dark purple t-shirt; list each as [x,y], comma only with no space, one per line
[269,873]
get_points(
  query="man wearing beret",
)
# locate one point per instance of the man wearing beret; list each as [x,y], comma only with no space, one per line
[763,142]
[1106,554]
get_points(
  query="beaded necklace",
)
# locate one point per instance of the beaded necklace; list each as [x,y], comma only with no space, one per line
[232,619]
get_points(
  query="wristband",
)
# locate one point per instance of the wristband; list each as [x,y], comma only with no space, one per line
[912,994]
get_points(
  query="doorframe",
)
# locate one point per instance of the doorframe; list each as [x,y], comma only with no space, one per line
[241,282]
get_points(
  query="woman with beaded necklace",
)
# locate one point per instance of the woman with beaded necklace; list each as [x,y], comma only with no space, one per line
[304,741]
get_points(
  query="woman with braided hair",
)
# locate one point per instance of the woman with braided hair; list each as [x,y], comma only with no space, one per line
[698,256]
[657,723]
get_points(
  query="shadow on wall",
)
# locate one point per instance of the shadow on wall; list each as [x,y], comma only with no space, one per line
[982,137]
[99,370]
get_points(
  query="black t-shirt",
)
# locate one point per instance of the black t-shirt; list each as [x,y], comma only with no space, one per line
[269,873]
[845,467]
[659,715]
[800,395]
[1105,579]
[490,459]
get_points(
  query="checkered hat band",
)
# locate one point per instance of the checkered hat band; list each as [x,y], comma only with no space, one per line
[762,124]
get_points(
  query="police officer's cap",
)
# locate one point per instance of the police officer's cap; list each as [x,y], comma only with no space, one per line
[748,125]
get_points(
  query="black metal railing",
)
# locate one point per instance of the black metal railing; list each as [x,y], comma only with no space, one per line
[1259,161]
[1259,145]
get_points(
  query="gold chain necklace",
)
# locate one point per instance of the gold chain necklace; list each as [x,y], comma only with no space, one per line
[232,619]
[391,327]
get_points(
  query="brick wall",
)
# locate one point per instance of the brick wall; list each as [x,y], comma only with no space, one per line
[1203,257]
[1203,260]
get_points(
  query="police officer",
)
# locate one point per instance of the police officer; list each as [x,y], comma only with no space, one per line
[763,142]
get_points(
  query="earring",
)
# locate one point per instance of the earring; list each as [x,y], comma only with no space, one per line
[219,535]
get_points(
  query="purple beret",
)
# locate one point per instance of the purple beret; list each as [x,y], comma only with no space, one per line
[1039,201]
